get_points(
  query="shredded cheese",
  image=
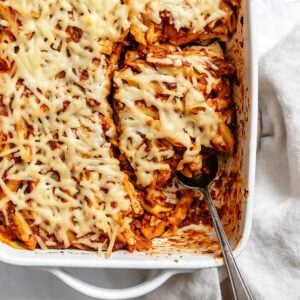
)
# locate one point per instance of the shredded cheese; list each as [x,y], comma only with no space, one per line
[57,166]
[192,14]
[58,121]
[180,114]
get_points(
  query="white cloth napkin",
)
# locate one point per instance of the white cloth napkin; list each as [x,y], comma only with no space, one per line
[271,261]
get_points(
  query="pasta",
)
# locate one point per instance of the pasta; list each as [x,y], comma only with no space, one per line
[170,104]
[58,175]
[99,107]
[182,21]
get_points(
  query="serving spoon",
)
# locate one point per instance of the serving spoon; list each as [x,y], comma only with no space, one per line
[203,182]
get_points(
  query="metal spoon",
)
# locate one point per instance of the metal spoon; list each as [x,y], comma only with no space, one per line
[203,182]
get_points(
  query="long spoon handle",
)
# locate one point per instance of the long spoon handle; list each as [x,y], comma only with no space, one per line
[239,287]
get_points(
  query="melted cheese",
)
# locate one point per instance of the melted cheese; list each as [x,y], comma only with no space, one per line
[192,14]
[183,117]
[55,99]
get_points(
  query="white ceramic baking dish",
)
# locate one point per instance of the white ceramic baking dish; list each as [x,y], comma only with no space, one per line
[168,263]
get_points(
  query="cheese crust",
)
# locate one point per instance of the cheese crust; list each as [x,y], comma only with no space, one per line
[170,105]
[99,107]
[56,123]
[182,21]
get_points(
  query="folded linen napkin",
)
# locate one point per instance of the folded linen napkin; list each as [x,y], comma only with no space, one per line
[271,261]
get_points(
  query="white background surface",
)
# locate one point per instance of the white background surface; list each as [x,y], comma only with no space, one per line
[275,19]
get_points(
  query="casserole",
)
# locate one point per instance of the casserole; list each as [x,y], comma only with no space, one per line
[69,179]
[184,258]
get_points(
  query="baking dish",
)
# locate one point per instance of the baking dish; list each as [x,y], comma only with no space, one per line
[170,262]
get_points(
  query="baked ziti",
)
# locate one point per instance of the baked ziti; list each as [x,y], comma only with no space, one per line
[99,107]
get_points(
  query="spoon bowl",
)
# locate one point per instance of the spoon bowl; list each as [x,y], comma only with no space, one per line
[208,174]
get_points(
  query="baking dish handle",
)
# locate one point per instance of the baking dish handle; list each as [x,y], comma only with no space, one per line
[107,293]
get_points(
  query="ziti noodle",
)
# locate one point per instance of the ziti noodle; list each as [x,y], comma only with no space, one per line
[97,113]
